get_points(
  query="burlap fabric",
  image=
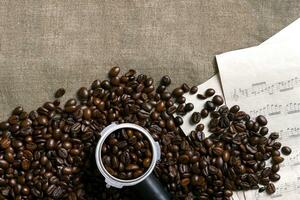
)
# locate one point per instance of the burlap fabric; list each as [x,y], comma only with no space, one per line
[45,45]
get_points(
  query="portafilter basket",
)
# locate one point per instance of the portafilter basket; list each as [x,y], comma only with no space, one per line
[146,185]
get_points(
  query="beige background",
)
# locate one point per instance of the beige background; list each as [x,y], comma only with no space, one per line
[45,45]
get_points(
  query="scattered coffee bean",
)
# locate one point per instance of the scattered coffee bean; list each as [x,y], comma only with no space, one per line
[114,71]
[166,80]
[196,117]
[209,92]
[270,189]
[189,107]
[201,96]
[286,150]
[194,90]
[59,93]
[217,100]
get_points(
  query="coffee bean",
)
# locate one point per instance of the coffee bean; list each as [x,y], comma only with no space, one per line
[286,150]
[82,93]
[263,131]
[131,167]
[185,87]
[209,92]
[160,106]
[59,93]
[5,143]
[63,153]
[25,164]
[270,189]
[4,164]
[114,71]
[277,159]
[274,177]
[178,121]
[166,80]
[196,117]
[234,109]
[200,127]
[189,107]
[146,162]
[51,144]
[201,96]
[185,181]
[261,120]
[177,92]
[204,113]
[274,136]
[217,100]
[226,155]
[210,106]
[218,151]
[193,90]
[42,120]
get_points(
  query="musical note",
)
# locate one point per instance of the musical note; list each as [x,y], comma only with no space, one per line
[277,109]
[264,88]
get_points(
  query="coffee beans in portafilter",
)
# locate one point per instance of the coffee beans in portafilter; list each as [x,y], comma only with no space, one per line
[126,154]
[48,153]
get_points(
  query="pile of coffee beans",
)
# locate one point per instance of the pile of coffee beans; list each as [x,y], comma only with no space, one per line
[126,153]
[48,153]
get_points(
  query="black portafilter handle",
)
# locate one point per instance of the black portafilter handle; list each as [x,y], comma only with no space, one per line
[151,189]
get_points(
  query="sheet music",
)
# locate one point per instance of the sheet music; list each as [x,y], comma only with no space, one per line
[264,80]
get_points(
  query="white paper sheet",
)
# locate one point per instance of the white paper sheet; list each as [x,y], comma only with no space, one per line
[265,80]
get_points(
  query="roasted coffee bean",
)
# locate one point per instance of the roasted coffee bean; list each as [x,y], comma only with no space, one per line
[166,80]
[178,120]
[234,109]
[204,113]
[59,93]
[210,106]
[201,96]
[63,153]
[286,150]
[217,100]
[270,189]
[209,92]
[277,159]
[83,93]
[194,90]
[189,107]
[181,100]
[196,117]
[274,177]
[261,120]
[185,87]
[4,164]
[274,136]
[177,92]
[114,71]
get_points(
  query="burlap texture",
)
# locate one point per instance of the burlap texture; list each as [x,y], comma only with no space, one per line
[45,45]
